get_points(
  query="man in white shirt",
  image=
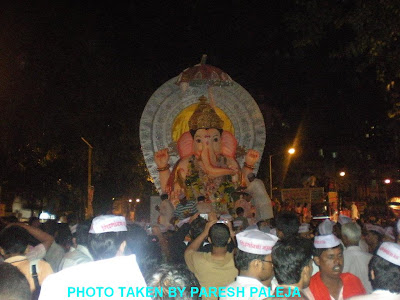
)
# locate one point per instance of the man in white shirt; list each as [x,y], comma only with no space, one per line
[81,254]
[111,276]
[355,260]
[384,271]
[244,202]
[354,211]
[261,200]
[253,259]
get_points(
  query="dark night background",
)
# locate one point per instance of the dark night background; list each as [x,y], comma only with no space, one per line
[325,72]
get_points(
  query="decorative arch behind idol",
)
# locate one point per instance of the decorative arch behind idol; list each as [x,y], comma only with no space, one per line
[167,103]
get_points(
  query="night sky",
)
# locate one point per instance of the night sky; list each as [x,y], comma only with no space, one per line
[87,68]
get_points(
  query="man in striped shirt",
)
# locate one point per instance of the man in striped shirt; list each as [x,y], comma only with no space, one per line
[185,208]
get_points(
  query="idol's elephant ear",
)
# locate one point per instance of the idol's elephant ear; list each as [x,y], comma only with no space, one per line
[229,144]
[185,145]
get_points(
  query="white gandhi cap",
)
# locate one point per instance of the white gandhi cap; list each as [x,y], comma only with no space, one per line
[256,242]
[305,227]
[344,220]
[390,252]
[108,223]
[326,227]
[326,241]
[375,228]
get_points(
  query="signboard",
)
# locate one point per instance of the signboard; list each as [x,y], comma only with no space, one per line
[303,195]
[313,197]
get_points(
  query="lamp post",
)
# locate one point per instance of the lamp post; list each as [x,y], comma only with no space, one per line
[291,151]
[89,207]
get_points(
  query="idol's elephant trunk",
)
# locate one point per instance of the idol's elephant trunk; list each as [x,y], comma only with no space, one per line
[209,159]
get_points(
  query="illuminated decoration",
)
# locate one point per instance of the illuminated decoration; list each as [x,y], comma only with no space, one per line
[387,181]
[342,173]
[202,74]
[165,120]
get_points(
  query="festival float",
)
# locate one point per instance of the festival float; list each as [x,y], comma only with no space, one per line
[201,134]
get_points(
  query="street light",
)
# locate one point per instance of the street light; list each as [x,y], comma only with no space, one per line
[89,208]
[387,181]
[342,174]
[137,200]
[291,151]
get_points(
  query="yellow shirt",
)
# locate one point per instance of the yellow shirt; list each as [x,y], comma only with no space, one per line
[22,263]
[211,272]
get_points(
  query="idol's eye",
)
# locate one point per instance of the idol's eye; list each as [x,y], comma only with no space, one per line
[198,141]
[216,140]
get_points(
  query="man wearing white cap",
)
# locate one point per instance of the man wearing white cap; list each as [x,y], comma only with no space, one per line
[253,259]
[305,231]
[344,220]
[355,259]
[110,276]
[374,237]
[384,271]
[330,282]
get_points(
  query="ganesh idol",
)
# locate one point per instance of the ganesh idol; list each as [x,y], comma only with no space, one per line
[207,165]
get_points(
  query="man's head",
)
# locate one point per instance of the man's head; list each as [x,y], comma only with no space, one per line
[239,211]
[13,241]
[107,237]
[182,199]
[374,236]
[167,276]
[82,233]
[164,197]
[197,227]
[292,259]
[326,227]
[253,257]
[287,224]
[305,231]
[384,268]
[13,284]
[219,235]
[328,255]
[351,234]
[251,177]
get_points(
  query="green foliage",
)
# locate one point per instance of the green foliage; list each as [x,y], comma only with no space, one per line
[367,30]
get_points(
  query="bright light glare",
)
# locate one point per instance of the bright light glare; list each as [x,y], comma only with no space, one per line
[342,173]
[387,181]
[46,216]
[291,151]
[130,200]
[137,200]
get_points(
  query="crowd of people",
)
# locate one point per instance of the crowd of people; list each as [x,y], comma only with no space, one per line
[193,253]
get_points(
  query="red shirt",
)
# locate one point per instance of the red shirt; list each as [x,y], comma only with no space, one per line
[352,286]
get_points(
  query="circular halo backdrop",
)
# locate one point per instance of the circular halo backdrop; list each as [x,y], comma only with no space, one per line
[168,101]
